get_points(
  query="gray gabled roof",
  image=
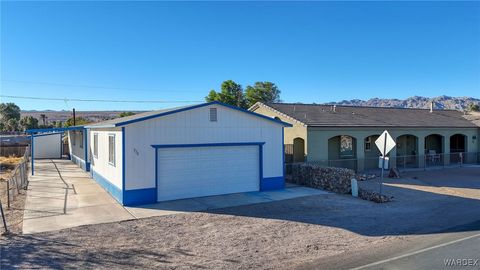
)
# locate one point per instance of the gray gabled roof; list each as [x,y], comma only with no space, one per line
[159,113]
[353,116]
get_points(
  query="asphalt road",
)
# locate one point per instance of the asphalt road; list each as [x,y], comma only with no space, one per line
[457,248]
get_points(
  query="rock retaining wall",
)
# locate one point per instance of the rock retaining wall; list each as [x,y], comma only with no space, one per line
[337,180]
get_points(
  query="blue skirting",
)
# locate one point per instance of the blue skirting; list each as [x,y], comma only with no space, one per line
[140,196]
[272,183]
[108,186]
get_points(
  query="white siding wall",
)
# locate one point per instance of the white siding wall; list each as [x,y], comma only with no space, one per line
[193,127]
[75,149]
[100,163]
[47,146]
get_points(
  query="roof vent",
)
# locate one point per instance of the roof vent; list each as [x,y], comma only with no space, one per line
[334,108]
[431,107]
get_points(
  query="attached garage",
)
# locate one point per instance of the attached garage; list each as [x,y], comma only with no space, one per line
[206,170]
[194,151]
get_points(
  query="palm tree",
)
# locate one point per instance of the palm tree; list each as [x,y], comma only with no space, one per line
[44,119]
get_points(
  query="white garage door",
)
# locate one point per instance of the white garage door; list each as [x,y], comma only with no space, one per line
[205,171]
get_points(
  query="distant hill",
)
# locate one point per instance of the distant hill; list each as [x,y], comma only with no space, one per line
[441,102]
[93,116]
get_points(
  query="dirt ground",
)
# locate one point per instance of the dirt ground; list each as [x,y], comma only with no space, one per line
[14,214]
[277,235]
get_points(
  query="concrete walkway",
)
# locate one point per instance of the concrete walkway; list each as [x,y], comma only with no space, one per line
[67,197]
[60,195]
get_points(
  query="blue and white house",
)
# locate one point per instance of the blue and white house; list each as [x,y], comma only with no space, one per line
[200,150]
[78,147]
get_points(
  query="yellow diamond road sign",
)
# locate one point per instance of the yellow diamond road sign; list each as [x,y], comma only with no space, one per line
[385,143]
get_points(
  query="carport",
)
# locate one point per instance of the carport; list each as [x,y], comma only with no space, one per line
[47,143]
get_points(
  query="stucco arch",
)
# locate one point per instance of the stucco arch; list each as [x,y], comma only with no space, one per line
[298,149]
[342,151]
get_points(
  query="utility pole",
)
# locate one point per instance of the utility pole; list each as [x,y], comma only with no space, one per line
[74,123]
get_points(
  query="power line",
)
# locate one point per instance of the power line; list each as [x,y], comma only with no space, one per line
[95,87]
[101,100]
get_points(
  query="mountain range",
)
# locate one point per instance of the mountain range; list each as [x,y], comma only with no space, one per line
[440,102]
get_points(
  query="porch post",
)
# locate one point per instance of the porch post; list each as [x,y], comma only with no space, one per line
[446,150]
[360,153]
[421,151]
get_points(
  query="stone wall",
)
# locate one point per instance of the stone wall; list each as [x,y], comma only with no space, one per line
[337,180]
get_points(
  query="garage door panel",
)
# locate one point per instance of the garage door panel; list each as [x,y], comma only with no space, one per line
[206,171]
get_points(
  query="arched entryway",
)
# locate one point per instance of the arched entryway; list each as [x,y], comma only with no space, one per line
[407,151]
[342,152]
[458,148]
[434,148]
[371,152]
[298,150]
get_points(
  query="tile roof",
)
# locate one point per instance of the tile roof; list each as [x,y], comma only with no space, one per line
[353,116]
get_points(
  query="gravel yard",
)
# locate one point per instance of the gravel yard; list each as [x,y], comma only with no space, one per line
[277,235]
[200,240]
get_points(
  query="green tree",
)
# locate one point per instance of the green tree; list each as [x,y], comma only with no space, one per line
[29,122]
[123,114]
[473,107]
[9,116]
[230,93]
[265,92]
[79,121]
[11,125]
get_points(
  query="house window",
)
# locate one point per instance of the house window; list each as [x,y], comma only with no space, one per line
[368,143]
[81,139]
[111,149]
[74,138]
[213,114]
[95,145]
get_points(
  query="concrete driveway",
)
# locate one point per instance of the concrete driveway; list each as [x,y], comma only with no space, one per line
[60,195]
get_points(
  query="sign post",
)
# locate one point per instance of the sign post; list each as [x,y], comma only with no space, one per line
[385,144]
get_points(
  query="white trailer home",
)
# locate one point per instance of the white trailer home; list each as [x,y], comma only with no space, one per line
[78,147]
[201,150]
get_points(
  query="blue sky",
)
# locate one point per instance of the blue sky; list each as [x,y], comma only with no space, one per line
[178,51]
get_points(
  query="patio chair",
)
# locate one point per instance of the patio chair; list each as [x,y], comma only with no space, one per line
[433,156]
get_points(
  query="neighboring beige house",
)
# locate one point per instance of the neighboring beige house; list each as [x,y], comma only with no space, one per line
[344,136]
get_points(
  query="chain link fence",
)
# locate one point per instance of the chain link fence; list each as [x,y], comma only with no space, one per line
[15,184]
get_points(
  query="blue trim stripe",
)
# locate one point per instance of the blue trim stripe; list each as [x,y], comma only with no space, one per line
[139,196]
[116,192]
[272,183]
[205,145]
[191,108]
[260,167]
[46,134]
[85,148]
[38,130]
[80,162]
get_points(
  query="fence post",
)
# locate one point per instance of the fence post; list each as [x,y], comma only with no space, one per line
[8,194]
[3,218]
